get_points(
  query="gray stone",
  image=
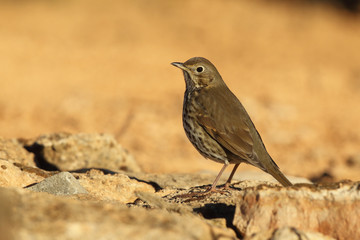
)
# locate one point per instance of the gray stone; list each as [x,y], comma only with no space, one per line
[62,183]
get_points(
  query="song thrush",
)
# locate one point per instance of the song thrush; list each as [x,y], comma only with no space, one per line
[218,125]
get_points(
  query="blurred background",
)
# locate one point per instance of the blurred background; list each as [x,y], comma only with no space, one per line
[104,66]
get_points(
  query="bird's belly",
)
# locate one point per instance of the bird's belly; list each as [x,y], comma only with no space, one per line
[203,142]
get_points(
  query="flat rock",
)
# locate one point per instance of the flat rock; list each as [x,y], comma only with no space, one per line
[333,210]
[68,152]
[63,183]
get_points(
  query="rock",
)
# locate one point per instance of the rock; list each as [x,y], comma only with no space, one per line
[44,216]
[68,152]
[7,198]
[60,184]
[333,209]
[13,151]
[158,206]
[217,208]
[112,187]
[288,233]
[16,175]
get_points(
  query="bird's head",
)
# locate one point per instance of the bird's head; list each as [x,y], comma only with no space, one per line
[199,72]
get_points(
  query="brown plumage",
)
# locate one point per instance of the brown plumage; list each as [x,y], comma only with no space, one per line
[218,125]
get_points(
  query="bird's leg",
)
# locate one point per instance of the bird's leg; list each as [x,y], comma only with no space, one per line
[212,189]
[213,186]
[227,184]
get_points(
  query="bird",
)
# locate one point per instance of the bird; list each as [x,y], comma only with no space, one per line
[217,124]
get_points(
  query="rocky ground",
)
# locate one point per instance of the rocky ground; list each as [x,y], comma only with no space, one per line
[95,200]
[79,78]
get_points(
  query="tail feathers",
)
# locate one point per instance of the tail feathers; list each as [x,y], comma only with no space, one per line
[270,167]
[278,175]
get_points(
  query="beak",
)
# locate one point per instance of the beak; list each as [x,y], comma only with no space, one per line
[179,65]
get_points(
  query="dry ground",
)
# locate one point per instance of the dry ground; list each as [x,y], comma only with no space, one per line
[104,66]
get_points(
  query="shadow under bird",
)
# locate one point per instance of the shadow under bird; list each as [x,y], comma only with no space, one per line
[218,125]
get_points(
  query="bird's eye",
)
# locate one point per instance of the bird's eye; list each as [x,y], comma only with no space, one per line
[200,69]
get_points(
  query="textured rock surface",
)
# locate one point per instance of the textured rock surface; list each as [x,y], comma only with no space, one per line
[137,205]
[16,175]
[59,184]
[288,233]
[333,210]
[186,181]
[112,187]
[68,152]
[13,151]
[42,216]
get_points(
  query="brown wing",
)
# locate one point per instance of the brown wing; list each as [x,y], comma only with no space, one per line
[224,119]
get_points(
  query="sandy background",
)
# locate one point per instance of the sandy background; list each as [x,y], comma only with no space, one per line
[104,66]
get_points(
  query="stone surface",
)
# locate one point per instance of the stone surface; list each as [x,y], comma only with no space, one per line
[7,199]
[112,187]
[333,209]
[17,175]
[288,233]
[62,183]
[51,217]
[164,209]
[176,180]
[187,180]
[137,205]
[68,152]
[13,151]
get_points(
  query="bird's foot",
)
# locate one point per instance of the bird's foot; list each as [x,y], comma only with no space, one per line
[193,196]
[216,190]
[227,186]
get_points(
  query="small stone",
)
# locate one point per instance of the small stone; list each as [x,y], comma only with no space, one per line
[62,183]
